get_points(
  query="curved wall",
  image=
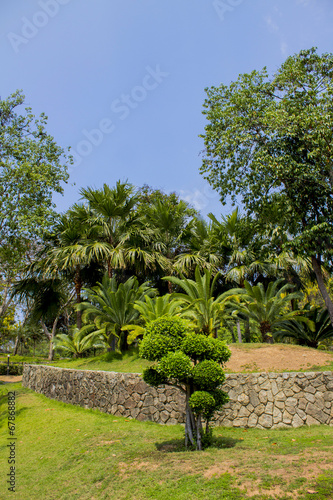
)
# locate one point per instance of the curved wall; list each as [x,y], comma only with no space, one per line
[264,400]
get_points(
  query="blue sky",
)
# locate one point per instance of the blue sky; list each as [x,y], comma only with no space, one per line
[122,81]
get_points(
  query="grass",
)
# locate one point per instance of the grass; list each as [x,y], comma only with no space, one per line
[130,362]
[66,452]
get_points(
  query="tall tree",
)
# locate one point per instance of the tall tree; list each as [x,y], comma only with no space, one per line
[111,214]
[270,142]
[32,168]
[170,220]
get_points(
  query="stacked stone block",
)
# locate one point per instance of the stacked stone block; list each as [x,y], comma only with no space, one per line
[265,400]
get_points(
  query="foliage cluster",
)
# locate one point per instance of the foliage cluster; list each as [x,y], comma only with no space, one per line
[192,362]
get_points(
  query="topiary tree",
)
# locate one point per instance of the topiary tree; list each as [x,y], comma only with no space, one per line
[193,363]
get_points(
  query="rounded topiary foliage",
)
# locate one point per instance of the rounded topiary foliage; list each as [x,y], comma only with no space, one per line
[196,346]
[161,336]
[207,375]
[202,402]
[153,377]
[175,365]
[154,347]
[219,351]
[174,327]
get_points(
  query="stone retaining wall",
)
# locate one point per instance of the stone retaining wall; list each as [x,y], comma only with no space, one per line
[265,400]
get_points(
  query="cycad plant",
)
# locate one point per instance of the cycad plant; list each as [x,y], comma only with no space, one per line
[78,343]
[151,309]
[268,308]
[109,306]
[199,302]
[312,333]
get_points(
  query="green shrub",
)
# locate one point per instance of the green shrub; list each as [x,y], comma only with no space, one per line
[219,351]
[199,347]
[207,375]
[154,347]
[13,369]
[176,365]
[168,327]
[202,402]
[196,346]
[153,377]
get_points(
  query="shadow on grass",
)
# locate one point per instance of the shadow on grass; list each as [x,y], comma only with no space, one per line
[4,414]
[178,445]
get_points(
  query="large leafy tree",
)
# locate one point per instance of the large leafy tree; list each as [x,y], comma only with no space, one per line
[269,142]
[32,168]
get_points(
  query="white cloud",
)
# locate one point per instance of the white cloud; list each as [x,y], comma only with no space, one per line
[196,198]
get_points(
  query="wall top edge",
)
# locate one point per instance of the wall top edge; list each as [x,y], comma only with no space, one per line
[228,375]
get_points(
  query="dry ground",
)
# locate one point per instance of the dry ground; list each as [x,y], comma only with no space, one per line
[277,357]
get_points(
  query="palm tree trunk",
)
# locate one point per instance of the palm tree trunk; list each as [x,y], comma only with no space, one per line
[239,333]
[78,287]
[110,270]
[316,264]
[266,334]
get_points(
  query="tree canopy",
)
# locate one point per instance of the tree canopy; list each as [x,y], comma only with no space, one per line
[32,168]
[269,143]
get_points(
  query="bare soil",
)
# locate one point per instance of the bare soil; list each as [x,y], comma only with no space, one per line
[276,357]
[11,378]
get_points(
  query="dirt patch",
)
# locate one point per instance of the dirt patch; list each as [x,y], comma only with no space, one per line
[275,358]
[10,378]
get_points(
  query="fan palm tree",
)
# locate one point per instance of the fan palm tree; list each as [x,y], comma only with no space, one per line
[46,300]
[111,211]
[240,261]
[202,249]
[109,306]
[64,252]
[169,219]
[268,308]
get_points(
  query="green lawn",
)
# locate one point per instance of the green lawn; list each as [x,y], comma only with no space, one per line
[130,362]
[66,452]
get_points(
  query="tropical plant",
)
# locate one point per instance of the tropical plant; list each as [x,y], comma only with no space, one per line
[64,251]
[169,218]
[268,308]
[110,213]
[151,309]
[192,362]
[109,306]
[45,299]
[198,300]
[78,342]
[312,333]
[269,140]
